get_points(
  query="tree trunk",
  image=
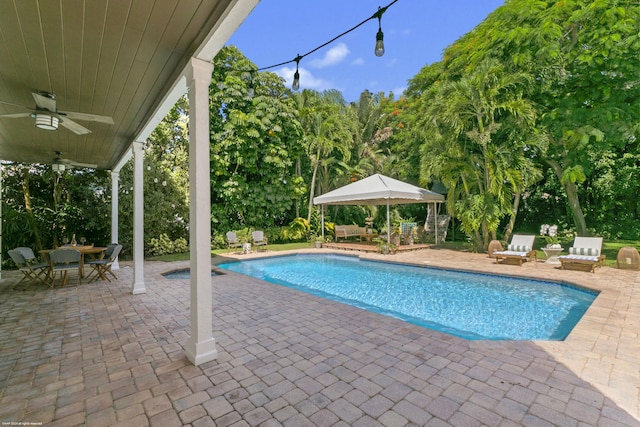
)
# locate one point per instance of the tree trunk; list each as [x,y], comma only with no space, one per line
[313,186]
[28,207]
[576,210]
[485,235]
[298,174]
[571,190]
[512,220]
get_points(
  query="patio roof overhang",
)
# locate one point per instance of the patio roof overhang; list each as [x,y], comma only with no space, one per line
[123,60]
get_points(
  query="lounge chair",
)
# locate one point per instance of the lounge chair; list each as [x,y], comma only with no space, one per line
[585,251]
[259,239]
[232,240]
[407,232]
[520,249]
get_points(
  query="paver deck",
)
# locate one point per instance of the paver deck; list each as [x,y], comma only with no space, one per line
[96,355]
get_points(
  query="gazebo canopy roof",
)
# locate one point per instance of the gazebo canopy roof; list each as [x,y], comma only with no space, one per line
[378,190]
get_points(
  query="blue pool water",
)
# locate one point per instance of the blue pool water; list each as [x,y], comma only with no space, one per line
[182,274]
[468,305]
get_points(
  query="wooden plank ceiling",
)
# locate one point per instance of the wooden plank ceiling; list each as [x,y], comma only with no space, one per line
[114,58]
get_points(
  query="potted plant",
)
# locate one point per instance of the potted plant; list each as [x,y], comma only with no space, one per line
[317,240]
[550,233]
[384,247]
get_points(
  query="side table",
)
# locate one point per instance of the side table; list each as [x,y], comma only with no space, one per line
[552,255]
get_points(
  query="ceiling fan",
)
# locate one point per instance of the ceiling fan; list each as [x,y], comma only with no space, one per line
[59,164]
[48,117]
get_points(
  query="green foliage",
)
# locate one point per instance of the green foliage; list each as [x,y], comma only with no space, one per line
[537,105]
[255,143]
[41,208]
[166,182]
[471,146]
[163,245]
[298,230]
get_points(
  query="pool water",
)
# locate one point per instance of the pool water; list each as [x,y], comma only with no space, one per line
[182,274]
[467,305]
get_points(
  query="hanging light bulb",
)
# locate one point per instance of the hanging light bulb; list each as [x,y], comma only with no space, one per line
[250,89]
[379,50]
[296,81]
[296,75]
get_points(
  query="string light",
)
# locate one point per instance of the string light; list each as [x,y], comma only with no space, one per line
[379,47]
[296,75]
[379,50]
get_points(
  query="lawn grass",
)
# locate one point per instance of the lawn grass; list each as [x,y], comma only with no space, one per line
[609,248]
[276,247]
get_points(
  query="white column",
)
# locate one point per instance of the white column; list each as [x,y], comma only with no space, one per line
[201,346]
[138,286]
[115,183]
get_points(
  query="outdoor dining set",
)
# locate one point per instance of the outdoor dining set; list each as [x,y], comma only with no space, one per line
[58,263]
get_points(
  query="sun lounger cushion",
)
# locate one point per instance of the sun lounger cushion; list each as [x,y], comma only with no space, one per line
[593,252]
[518,248]
[580,257]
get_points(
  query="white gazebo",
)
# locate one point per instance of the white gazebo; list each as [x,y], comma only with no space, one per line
[378,190]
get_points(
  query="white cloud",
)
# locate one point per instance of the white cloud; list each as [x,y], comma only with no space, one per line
[358,61]
[398,91]
[307,80]
[335,55]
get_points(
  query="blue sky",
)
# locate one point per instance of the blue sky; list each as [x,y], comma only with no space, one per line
[415,34]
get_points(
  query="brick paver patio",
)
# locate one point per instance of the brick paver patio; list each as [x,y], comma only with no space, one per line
[96,355]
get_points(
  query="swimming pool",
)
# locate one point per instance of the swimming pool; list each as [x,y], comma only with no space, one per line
[184,273]
[468,305]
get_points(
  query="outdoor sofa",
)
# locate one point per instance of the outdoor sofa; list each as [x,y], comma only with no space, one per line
[347,231]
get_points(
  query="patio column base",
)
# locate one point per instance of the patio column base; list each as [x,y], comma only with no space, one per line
[138,288]
[201,352]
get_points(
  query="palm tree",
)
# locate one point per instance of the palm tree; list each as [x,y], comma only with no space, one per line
[322,117]
[465,118]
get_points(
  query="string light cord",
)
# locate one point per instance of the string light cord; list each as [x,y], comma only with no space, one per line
[377,15]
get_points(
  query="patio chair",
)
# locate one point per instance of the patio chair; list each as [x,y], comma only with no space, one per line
[100,267]
[259,239]
[63,261]
[232,240]
[26,262]
[520,249]
[407,231]
[585,251]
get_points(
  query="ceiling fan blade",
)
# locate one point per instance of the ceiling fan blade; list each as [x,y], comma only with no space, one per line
[87,117]
[15,105]
[81,165]
[16,115]
[74,127]
[45,100]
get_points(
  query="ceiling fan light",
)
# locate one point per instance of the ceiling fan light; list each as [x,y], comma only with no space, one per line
[46,122]
[58,167]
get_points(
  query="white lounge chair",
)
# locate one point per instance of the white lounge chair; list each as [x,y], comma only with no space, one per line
[232,240]
[520,249]
[586,251]
[259,239]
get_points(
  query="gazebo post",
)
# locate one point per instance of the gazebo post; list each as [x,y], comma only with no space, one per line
[435,210]
[388,224]
[322,220]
